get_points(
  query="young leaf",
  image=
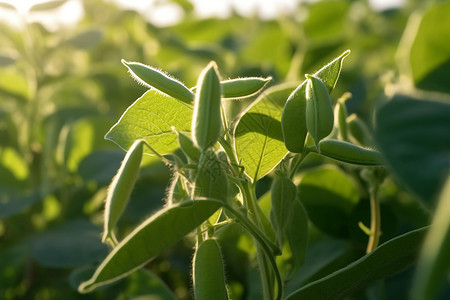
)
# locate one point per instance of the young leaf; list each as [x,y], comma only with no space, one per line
[386,260]
[293,119]
[151,118]
[207,117]
[149,239]
[152,77]
[258,137]
[319,110]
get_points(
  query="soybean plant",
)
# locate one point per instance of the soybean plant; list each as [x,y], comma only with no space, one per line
[216,171]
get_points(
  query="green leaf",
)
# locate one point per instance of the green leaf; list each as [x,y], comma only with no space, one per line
[86,40]
[293,119]
[47,5]
[151,118]
[329,197]
[72,244]
[412,133]
[386,260]
[6,60]
[434,265]
[149,239]
[258,137]
[430,51]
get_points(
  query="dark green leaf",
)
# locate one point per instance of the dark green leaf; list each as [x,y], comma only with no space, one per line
[412,133]
[385,261]
[329,197]
[73,244]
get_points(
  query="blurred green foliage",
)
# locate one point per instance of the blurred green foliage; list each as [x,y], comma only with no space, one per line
[61,91]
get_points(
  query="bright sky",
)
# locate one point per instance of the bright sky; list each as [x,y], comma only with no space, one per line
[165,13]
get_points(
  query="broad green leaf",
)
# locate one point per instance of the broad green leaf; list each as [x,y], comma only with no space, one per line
[412,133]
[385,261]
[47,5]
[430,51]
[15,203]
[329,197]
[151,118]
[433,266]
[149,239]
[293,119]
[258,137]
[72,244]
[86,40]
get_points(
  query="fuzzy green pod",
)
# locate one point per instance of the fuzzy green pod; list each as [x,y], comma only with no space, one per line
[207,116]
[294,137]
[319,110]
[350,153]
[121,187]
[211,179]
[208,272]
[152,77]
[243,87]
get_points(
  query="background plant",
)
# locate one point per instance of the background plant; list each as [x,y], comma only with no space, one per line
[62,91]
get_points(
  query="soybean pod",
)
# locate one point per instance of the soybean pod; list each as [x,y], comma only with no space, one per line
[319,110]
[207,116]
[208,272]
[350,153]
[243,87]
[152,77]
[121,187]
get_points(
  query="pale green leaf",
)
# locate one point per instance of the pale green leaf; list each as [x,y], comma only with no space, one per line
[151,118]
[258,137]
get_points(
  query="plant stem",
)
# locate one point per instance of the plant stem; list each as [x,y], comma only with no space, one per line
[375,227]
[297,161]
